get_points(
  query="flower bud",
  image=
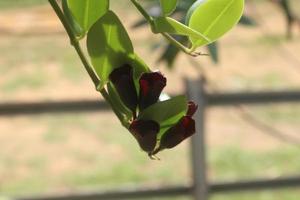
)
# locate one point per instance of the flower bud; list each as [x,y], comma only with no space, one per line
[145,132]
[122,79]
[175,135]
[151,86]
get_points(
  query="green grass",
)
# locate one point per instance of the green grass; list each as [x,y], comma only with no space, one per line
[279,114]
[48,61]
[232,162]
[32,81]
[109,158]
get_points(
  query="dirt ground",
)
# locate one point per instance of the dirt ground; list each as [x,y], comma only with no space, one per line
[251,58]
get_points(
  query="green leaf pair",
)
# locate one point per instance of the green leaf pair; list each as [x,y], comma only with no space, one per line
[126,82]
[108,43]
[206,20]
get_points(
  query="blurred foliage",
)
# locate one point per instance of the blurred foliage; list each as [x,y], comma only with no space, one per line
[290,15]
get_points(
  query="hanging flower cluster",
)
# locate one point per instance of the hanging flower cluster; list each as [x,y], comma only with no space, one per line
[151,86]
[121,76]
[146,131]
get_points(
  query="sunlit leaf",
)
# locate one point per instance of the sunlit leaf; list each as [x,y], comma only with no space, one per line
[109,45]
[213,18]
[87,12]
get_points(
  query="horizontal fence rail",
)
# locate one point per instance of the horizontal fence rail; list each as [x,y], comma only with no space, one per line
[52,107]
[257,184]
[223,99]
[184,190]
[125,193]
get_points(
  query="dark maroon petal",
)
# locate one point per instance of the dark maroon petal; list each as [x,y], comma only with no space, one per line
[192,108]
[175,135]
[189,126]
[151,85]
[122,78]
[145,131]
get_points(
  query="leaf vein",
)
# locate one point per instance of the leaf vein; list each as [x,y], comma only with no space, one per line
[217,19]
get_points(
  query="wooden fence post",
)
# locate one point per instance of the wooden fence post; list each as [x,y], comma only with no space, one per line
[196,93]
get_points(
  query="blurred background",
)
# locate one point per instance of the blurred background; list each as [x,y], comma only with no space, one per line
[56,153]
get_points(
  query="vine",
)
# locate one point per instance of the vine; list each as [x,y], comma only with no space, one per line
[124,80]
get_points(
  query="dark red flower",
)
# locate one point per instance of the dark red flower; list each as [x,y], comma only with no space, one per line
[151,85]
[122,78]
[192,108]
[145,131]
[175,135]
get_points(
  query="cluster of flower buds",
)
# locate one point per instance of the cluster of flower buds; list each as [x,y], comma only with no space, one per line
[146,132]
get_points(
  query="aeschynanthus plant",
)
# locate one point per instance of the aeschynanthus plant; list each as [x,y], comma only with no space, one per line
[125,81]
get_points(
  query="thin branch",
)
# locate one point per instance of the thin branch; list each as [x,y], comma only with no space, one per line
[173,41]
[143,12]
[84,60]
[74,42]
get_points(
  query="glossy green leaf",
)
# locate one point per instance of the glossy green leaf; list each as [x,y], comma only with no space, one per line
[166,113]
[87,12]
[108,45]
[213,18]
[168,6]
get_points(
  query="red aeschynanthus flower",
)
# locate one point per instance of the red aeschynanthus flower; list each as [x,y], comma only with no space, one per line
[145,132]
[175,135]
[122,78]
[184,128]
[192,108]
[151,86]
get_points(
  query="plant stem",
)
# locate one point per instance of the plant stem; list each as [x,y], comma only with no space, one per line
[176,43]
[151,22]
[75,43]
[143,12]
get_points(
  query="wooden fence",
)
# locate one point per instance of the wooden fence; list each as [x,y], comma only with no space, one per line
[200,189]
